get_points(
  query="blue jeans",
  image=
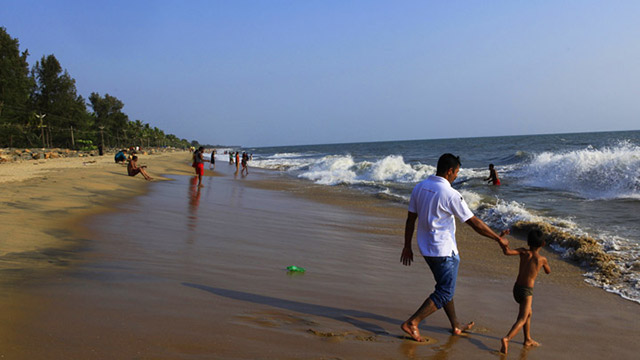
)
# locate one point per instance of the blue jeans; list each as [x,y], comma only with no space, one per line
[445,272]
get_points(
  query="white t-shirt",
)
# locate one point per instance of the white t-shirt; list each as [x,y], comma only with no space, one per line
[436,203]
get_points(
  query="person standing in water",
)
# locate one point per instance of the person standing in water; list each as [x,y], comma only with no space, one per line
[198,164]
[493,176]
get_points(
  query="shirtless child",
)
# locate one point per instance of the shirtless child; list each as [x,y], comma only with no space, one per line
[530,264]
[133,169]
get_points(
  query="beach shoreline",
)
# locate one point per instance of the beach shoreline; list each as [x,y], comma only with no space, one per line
[242,309]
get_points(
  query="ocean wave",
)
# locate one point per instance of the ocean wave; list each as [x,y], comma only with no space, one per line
[281,164]
[287,155]
[607,173]
[343,169]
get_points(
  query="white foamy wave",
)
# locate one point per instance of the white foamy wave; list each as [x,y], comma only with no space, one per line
[332,170]
[471,173]
[472,199]
[286,155]
[282,164]
[393,168]
[503,214]
[626,254]
[342,169]
[592,173]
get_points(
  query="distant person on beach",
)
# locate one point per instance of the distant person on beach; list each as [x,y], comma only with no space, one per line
[530,264]
[121,156]
[198,164]
[213,160]
[245,159]
[493,176]
[237,160]
[435,204]
[230,157]
[133,169]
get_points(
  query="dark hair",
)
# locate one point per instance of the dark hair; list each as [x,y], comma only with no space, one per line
[200,148]
[490,165]
[535,239]
[446,162]
[134,157]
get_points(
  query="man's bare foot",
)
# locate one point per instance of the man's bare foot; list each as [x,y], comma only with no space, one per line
[531,342]
[505,345]
[458,331]
[412,330]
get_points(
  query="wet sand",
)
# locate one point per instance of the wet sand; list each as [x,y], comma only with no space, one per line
[182,273]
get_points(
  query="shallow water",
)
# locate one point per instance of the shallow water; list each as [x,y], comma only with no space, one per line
[585,184]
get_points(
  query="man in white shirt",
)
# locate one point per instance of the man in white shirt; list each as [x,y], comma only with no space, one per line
[435,204]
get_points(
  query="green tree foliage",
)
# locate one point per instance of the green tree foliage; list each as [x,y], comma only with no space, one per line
[109,118]
[15,88]
[41,107]
[56,96]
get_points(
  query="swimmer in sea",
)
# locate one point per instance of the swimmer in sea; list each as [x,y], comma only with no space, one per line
[493,176]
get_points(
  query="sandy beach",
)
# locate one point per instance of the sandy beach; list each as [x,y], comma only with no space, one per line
[96,264]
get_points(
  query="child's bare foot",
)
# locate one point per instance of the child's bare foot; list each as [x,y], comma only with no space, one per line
[531,342]
[412,330]
[458,331]
[505,345]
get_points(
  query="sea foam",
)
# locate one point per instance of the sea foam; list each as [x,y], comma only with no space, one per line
[607,173]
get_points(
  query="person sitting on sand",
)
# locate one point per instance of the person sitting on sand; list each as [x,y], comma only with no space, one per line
[133,169]
[121,156]
[435,205]
[493,176]
[530,264]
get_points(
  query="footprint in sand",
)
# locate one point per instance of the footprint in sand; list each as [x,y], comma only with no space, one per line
[275,319]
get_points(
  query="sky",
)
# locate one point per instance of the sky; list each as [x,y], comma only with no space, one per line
[271,72]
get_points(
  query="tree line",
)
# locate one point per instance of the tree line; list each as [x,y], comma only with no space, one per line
[40,107]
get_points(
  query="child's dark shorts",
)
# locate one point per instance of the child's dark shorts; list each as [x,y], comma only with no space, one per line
[521,292]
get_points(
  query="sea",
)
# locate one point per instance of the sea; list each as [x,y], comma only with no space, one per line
[582,189]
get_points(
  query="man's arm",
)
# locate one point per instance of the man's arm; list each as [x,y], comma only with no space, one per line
[483,229]
[409,227]
[546,267]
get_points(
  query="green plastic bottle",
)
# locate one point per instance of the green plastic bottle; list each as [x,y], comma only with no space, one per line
[294,268]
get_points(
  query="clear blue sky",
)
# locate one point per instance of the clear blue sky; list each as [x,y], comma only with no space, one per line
[259,73]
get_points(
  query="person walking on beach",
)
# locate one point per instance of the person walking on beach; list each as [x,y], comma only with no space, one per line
[133,169]
[198,164]
[237,161]
[213,160]
[434,203]
[245,159]
[530,264]
[493,176]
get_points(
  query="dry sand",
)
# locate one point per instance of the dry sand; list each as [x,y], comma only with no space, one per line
[100,291]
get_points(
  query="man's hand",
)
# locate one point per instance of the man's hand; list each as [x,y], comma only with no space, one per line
[407,256]
[504,242]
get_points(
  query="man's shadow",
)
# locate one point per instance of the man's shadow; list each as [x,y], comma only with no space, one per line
[350,316]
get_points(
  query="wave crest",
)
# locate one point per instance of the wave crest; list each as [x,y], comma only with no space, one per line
[607,173]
